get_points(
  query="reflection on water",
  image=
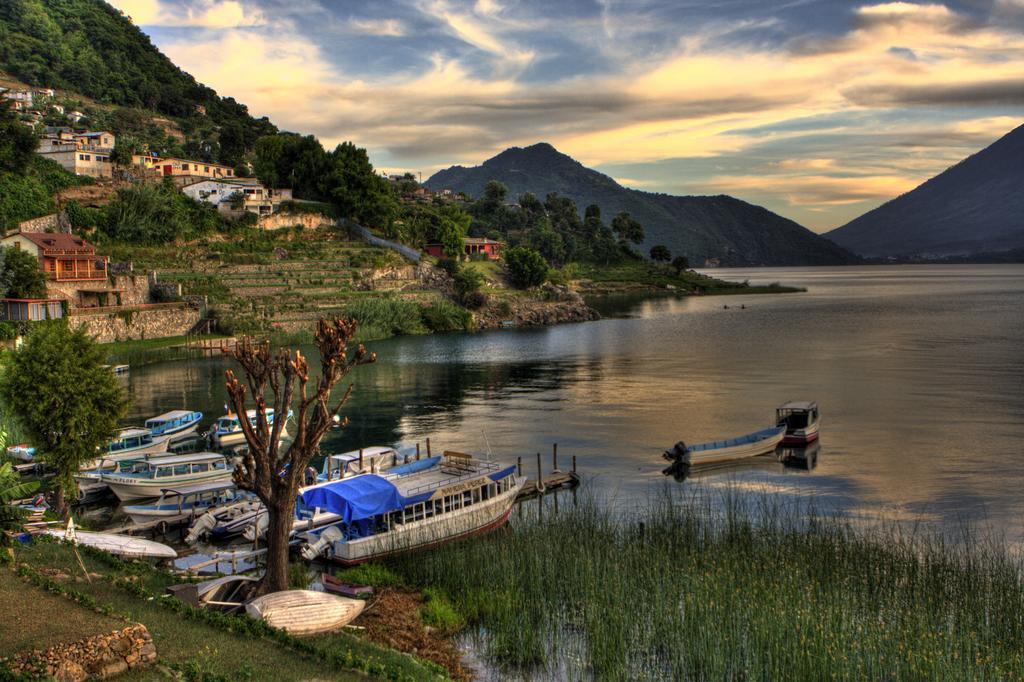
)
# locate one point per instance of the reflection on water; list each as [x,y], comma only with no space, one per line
[918,371]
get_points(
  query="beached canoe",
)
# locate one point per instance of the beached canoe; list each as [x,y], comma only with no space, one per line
[304,612]
[750,445]
[120,545]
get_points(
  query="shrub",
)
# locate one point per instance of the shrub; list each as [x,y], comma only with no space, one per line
[445,316]
[526,267]
[468,281]
[449,265]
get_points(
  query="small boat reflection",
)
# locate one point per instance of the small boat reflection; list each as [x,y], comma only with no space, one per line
[804,458]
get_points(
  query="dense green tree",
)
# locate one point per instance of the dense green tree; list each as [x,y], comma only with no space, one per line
[156,214]
[526,267]
[17,141]
[660,253]
[58,388]
[467,281]
[627,229]
[356,190]
[680,263]
[546,241]
[450,230]
[232,143]
[20,274]
[495,192]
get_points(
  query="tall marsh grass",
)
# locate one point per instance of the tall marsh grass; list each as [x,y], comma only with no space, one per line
[696,590]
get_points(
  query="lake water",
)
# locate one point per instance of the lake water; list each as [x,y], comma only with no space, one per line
[919,371]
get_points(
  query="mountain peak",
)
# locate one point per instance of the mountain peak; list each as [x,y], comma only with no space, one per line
[974,206]
[718,228]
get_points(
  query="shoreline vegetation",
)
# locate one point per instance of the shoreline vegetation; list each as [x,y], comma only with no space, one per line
[725,587]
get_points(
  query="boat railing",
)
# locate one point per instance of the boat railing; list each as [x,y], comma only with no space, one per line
[467,468]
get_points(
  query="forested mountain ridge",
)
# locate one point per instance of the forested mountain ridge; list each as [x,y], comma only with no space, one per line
[974,207]
[89,48]
[702,228]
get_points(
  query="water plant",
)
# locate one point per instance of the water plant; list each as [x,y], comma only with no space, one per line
[695,590]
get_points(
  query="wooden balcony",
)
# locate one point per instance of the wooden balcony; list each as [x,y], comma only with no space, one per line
[77,269]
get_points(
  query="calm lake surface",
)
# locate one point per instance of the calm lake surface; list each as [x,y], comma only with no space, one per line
[919,371]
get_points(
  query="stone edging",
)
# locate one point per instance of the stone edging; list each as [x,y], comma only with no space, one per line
[100,656]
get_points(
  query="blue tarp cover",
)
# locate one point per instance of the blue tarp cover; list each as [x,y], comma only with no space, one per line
[357,498]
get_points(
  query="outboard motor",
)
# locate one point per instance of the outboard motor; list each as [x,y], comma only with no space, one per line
[203,525]
[677,452]
[257,529]
[330,535]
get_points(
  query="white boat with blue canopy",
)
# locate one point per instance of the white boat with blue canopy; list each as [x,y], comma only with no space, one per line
[146,478]
[187,501]
[227,430]
[750,445]
[177,424]
[439,500]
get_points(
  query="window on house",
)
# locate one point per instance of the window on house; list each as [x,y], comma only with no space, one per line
[206,169]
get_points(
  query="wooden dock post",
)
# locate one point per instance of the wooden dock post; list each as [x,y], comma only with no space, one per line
[554,457]
[574,464]
[428,447]
[417,451]
[540,476]
[360,460]
[519,464]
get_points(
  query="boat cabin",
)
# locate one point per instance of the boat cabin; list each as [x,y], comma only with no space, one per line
[130,439]
[347,464]
[173,466]
[796,414]
[230,423]
[171,422]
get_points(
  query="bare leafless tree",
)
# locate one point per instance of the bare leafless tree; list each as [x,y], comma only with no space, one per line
[272,474]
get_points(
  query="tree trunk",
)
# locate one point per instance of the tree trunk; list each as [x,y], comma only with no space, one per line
[278,530]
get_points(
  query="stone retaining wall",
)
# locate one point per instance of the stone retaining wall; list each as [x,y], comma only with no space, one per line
[55,222]
[95,657]
[309,221]
[147,323]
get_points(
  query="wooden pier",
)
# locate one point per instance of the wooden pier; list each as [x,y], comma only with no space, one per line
[542,484]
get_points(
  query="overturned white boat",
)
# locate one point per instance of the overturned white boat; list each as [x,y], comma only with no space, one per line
[120,545]
[305,612]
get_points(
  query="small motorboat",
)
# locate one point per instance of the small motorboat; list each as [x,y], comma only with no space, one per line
[750,445]
[801,420]
[177,424]
[186,501]
[227,431]
[332,584]
[305,612]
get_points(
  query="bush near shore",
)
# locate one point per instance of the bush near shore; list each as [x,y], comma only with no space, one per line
[679,591]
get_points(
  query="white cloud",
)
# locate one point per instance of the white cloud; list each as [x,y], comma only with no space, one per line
[379,27]
[212,14]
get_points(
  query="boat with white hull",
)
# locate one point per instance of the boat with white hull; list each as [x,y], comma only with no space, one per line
[177,424]
[749,445]
[187,501]
[802,420]
[146,478]
[227,431]
[384,514]
[120,545]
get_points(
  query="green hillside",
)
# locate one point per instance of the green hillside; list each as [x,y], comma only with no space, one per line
[90,48]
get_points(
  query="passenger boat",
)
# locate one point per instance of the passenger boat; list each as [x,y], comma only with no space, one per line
[364,461]
[304,612]
[750,445]
[130,443]
[801,420]
[145,478]
[177,424]
[120,545]
[382,514]
[191,500]
[22,452]
[227,430]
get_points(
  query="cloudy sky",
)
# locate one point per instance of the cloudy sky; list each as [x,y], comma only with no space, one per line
[818,109]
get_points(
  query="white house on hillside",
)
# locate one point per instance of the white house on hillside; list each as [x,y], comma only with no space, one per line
[256,198]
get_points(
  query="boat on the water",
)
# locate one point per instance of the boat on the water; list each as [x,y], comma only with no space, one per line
[227,431]
[130,443]
[185,501]
[304,612]
[120,545]
[382,514]
[226,522]
[146,478]
[360,461]
[177,424]
[335,586]
[750,445]
[801,419]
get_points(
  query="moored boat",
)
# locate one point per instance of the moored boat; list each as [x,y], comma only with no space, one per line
[384,514]
[145,478]
[227,431]
[120,545]
[304,612]
[226,593]
[191,500]
[176,424]
[130,443]
[332,584]
[22,452]
[802,420]
[749,445]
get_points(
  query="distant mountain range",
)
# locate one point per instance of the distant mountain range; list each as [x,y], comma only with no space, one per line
[975,207]
[700,227]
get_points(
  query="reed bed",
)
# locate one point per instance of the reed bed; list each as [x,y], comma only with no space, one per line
[714,590]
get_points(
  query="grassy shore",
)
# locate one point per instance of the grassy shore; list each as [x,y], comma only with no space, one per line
[641,275]
[679,592]
[201,645]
